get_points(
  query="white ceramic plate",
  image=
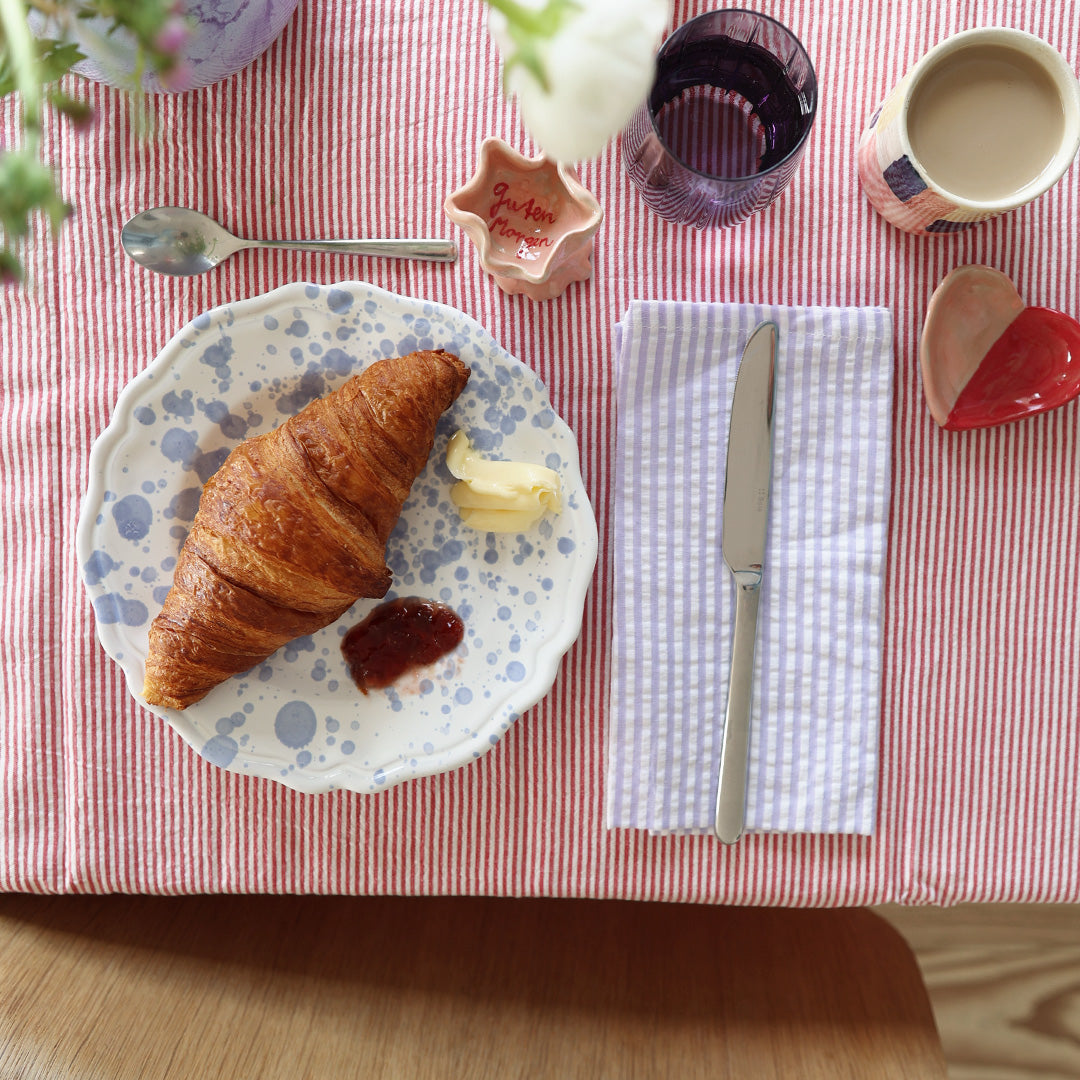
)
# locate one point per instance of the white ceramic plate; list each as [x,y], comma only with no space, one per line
[298,718]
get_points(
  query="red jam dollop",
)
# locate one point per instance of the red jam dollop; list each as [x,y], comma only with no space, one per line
[397,637]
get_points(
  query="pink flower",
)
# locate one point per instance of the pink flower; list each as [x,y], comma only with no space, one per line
[179,77]
[174,35]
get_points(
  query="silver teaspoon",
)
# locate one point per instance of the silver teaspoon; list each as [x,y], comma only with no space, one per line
[178,241]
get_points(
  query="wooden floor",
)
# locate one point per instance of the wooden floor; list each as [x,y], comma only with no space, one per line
[1004,981]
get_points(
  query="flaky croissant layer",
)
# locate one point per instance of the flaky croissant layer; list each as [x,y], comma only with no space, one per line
[292,529]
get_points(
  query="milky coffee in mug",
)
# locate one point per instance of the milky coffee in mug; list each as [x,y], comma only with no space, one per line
[985,122]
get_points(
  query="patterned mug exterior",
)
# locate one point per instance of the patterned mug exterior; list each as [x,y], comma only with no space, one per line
[897,184]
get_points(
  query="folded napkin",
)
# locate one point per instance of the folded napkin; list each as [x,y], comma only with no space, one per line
[817,684]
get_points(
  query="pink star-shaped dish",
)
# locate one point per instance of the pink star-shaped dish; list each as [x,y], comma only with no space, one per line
[531,221]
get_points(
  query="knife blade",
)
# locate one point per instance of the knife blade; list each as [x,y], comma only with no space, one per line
[745,519]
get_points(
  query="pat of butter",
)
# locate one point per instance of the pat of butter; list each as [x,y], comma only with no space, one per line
[499,496]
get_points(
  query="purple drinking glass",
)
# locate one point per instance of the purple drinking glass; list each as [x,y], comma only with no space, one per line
[726,121]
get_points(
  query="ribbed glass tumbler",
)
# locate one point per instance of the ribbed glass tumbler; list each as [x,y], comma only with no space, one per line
[726,122]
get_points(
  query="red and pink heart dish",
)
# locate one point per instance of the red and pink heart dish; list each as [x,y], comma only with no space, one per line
[988,359]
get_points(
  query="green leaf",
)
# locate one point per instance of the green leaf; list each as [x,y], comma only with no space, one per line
[27,185]
[11,271]
[54,59]
[526,55]
[57,58]
[78,112]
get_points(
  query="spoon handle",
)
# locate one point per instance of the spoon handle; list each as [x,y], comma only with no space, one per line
[427,250]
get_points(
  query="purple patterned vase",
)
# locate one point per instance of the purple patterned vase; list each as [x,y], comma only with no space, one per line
[227,36]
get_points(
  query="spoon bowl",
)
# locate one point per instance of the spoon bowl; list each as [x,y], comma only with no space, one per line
[182,242]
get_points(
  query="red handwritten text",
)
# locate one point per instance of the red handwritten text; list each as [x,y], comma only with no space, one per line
[526,242]
[529,209]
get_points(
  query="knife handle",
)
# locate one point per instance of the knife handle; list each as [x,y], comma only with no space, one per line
[735,746]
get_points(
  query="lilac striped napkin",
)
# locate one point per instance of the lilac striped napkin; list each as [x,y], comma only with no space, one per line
[813,757]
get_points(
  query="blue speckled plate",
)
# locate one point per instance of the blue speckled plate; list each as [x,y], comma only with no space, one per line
[298,718]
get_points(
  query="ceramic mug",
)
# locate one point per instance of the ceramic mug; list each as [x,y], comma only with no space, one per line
[985,122]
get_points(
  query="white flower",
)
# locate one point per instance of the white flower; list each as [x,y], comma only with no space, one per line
[579,68]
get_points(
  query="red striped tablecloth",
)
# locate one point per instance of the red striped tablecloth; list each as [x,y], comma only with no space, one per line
[359,120]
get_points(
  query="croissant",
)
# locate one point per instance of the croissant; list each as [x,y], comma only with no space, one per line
[292,529]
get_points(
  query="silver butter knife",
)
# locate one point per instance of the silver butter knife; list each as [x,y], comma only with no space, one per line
[746,512]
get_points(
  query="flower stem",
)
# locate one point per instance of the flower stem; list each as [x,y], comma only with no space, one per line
[538,22]
[23,59]
[527,18]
